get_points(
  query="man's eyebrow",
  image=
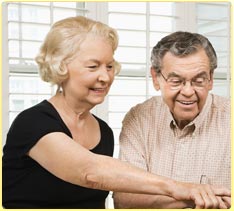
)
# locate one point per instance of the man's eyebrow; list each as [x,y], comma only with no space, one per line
[203,73]
[173,74]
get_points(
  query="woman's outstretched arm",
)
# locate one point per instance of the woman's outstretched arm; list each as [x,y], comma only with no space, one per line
[73,163]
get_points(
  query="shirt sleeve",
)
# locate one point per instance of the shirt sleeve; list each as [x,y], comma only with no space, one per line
[28,127]
[132,147]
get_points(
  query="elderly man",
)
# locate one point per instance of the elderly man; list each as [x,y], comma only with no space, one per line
[185,133]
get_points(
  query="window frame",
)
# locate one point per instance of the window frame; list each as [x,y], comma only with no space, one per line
[185,11]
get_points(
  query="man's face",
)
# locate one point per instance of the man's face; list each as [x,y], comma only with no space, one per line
[186,100]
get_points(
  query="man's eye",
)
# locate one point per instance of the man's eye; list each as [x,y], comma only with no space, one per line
[175,81]
[199,80]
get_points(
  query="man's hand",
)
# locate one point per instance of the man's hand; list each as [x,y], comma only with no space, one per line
[204,196]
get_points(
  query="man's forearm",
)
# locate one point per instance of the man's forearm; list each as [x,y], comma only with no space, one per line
[128,200]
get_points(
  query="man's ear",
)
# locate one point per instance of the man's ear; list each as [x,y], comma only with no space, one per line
[210,87]
[155,78]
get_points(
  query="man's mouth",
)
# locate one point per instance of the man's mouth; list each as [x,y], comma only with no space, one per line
[186,102]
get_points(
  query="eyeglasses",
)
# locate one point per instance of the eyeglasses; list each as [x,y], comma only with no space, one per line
[177,82]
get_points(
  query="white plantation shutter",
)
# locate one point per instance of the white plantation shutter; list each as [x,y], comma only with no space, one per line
[213,21]
[25,25]
[140,26]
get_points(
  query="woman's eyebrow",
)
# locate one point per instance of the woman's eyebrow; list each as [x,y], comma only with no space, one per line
[97,61]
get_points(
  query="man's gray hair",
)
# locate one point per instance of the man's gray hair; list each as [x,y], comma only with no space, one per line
[182,44]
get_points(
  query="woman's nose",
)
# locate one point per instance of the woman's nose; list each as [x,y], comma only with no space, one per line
[103,75]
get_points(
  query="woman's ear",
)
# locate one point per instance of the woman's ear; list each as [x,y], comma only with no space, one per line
[155,78]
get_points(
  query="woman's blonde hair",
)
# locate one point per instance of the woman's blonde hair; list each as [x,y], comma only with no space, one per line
[62,44]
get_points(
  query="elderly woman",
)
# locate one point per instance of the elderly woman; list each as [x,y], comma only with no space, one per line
[58,154]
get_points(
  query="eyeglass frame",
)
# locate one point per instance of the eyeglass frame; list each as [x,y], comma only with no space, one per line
[183,82]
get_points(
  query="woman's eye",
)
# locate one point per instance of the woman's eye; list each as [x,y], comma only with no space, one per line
[92,67]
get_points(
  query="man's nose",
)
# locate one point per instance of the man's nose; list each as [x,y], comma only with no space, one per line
[187,88]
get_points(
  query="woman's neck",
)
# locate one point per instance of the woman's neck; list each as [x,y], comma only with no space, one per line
[69,107]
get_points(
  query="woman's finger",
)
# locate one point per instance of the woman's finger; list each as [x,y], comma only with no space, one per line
[227,201]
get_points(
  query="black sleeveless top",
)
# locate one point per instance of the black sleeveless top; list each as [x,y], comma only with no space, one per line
[25,184]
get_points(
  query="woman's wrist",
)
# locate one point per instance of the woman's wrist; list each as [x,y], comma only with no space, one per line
[179,191]
[171,188]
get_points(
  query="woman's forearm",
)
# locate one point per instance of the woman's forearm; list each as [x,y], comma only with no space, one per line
[145,201]
[72,163]
[115,175]
[112,174]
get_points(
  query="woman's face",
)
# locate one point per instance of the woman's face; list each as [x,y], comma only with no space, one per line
[91,73]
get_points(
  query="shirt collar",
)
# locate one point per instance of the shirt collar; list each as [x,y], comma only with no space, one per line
[204,112]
